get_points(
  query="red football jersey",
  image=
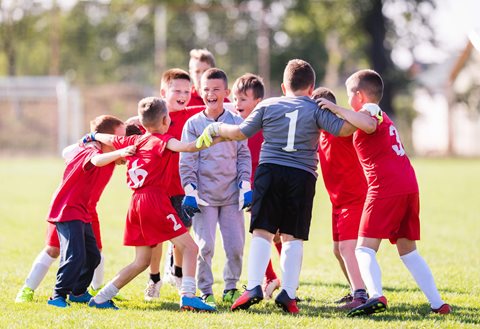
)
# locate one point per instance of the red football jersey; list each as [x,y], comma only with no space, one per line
[151,165]
[384,161]
[176,126]
[255,145]
[80,189]
[342,173]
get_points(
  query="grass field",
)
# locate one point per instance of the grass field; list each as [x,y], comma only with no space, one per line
[450,210]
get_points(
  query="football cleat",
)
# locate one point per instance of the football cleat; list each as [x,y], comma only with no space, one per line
[195,304]
[209,299]
[24,295]
[373,305]
[248,298]
[58,302]
[288,304]
[152,290]
[345,299]
[109,304]
[356,302]
[231,295]
[83,298]
[444,309]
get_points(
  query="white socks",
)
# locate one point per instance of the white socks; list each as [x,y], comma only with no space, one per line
[423,276]
[107,293]
[258,257]
[99,274]
[291,264]
[40,267]
[188,286]
[370,270]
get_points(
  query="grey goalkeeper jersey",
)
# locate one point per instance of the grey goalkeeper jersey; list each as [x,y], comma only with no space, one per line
[291,127]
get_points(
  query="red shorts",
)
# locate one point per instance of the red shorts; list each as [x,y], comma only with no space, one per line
[52,237]
[391,218]
[345,222]
[151,219]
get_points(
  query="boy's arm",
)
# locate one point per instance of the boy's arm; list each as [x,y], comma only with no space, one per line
[104,159]
[106,139]
[361,120]
[178,146]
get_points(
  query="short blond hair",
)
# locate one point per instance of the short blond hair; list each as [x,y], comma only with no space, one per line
[151,110]
[203,55]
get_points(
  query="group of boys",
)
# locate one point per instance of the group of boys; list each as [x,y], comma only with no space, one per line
[371,183]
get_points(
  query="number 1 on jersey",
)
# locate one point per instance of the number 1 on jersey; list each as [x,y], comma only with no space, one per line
[292,126]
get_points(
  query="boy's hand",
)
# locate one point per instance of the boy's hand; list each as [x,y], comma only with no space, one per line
[374,111]
[128,151]
[324,103]
[245,195]
[191,201]
[90,137]
[207,135]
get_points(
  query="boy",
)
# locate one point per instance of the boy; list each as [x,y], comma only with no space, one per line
[347,187]
[72,211]
[248,90]
[151,218]
[391,209]
[221,175]
[175,90]
[284,183]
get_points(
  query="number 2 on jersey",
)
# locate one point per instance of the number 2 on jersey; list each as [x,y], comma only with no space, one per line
[176,225]
[398,148]
[292,126]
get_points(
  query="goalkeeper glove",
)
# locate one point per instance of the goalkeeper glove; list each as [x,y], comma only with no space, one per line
[212,130]
[191,201]
[374,111]
[90,137]
[245,195]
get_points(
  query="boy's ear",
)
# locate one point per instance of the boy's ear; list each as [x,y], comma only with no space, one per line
[283,88]
[227,92]
[310,90]
[163,93]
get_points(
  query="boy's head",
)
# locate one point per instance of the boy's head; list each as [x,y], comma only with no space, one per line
[200,61]
[153,114]
[364,86]
[248,90]
[134,127]
[214,89]
[175,89]
[322,92]
[298,77]
[108,124]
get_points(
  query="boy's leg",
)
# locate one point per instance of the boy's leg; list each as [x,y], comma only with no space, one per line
[154,281]
[341,262]
[420,271]
[72,256]
[99,274]
[127,274]
[232,228]
[91,262]
[39,269]
[189,249]
[291,263]
[347,251]
[204,227]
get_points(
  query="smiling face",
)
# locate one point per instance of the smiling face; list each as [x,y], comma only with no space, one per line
[213,93]
[176,94]
[245,102]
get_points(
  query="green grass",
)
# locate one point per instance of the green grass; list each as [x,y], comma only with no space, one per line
[450,211]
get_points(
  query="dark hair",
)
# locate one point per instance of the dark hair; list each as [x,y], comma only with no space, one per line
[298,75]
[323,92]
[369,82]
[105,124]
[250,81]
[151,110]
[214,73]
[203,55]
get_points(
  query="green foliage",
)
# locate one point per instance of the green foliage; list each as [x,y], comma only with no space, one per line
[450,229]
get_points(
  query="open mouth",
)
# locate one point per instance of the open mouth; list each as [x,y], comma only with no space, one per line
[181,102]
[211,101]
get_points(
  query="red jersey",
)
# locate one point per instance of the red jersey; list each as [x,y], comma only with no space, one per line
[80,189]
[151,165]
[176,126]
[254,145]
[342,173]
[384,161]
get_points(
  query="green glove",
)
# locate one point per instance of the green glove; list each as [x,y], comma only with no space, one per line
[212,130]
